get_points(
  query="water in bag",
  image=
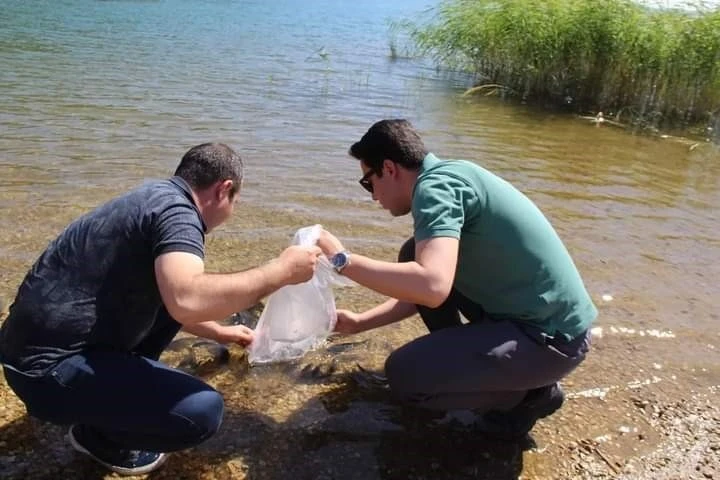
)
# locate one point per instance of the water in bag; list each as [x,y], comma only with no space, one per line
[298,317]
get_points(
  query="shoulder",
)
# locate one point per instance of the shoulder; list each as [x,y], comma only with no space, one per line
[455,171]
[455,178]
[159,209]
[163,197]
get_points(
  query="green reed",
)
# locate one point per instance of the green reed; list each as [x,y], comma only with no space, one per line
[655,66]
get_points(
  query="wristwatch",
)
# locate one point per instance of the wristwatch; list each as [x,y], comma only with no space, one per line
[340,260]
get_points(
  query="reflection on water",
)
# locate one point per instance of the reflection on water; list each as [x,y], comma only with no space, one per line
[95,97]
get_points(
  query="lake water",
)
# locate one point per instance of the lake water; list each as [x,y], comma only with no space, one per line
[97,96]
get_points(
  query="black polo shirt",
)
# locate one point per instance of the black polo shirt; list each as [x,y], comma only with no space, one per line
[94,287]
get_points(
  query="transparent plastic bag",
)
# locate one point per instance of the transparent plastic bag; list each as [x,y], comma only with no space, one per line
[298,317]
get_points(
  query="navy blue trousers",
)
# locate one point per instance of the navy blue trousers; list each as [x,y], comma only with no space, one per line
[130,399]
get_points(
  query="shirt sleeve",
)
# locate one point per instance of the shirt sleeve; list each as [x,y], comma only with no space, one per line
[177,228]
[439,206]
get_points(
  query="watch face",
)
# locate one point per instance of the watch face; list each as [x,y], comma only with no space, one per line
[339,259]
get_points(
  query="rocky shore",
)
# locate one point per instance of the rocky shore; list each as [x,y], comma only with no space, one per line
[315,419]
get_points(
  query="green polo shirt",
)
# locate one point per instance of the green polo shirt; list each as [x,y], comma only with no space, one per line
[511,260]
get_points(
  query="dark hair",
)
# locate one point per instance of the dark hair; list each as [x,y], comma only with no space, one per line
[394,140]
[205,164]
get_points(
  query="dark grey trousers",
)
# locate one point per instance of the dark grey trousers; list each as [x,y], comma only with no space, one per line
[481,365]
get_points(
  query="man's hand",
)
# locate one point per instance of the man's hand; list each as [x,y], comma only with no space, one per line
[347,322]
[329,243]
[239,334]
[299,263]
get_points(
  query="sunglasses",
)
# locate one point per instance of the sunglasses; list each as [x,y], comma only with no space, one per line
[365,181]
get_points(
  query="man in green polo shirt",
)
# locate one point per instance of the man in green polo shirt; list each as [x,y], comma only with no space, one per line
[482,249]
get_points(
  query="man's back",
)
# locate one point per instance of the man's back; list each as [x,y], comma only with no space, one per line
[511,260]
[94,286]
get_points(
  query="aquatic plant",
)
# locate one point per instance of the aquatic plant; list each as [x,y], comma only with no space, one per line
[653,66]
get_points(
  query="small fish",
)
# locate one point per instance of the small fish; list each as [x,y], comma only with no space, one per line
[370,380]
[345,346]
[181,344]
[318,371]
[248,317]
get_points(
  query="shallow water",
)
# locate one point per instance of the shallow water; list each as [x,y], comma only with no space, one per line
[96,97]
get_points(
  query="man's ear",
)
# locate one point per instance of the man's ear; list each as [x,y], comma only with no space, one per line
[224,188]
[390,167]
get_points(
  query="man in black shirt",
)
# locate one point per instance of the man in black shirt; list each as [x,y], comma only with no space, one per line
[92,316]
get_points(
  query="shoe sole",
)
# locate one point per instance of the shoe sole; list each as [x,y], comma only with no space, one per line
[553,406]
[121,470]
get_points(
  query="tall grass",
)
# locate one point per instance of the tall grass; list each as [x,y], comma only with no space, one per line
[661,67]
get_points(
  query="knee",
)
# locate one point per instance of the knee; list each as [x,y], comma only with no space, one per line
[401,377]
[204,412]
[407,251]
[391,367]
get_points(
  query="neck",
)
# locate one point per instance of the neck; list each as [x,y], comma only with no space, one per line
[202,201]
[408,178]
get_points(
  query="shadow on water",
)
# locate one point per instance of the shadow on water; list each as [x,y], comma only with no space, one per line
[37,449]
[362,435]
[351,429]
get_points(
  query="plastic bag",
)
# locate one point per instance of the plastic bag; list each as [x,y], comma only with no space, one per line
[298,317]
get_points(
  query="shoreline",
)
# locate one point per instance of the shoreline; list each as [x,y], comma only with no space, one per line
[309,420]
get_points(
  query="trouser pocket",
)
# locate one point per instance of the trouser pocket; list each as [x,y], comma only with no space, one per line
[39,394]
[71,372]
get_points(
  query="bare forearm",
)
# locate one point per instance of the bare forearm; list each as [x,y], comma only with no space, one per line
[386,313]
[193,296]
[407,282]
[217,296]
[237,334]
[209,329]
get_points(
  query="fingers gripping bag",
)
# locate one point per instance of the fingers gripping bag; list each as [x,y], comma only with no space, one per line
[298,317]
